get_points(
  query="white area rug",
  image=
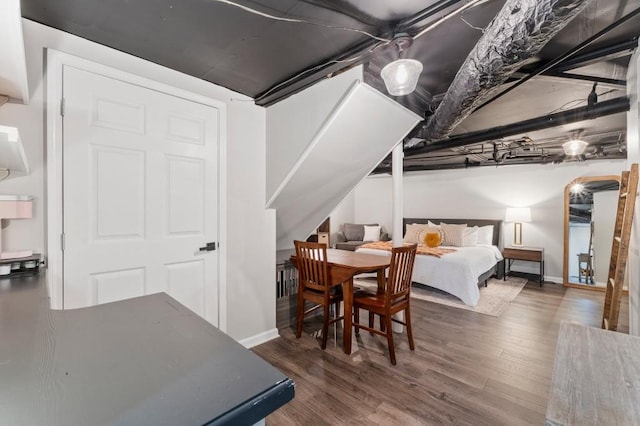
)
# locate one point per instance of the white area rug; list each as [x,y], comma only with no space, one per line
[494,299]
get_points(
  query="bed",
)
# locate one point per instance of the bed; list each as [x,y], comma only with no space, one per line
[459,273]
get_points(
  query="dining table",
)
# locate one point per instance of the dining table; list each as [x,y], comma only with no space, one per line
[343,266]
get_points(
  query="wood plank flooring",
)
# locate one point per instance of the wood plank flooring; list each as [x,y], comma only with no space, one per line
[467,368]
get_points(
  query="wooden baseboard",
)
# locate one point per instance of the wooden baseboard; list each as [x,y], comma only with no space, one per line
[593,288]
[585,287]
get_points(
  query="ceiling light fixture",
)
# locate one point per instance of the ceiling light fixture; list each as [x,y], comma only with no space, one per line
[577,188]
[401,76]
[575,146]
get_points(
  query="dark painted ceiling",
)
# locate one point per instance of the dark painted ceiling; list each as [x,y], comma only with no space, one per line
[268,58]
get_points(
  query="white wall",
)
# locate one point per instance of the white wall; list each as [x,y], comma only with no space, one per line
[604,222]
[633,156]
[485,193]
[304,114]
[250,228]
[341,214]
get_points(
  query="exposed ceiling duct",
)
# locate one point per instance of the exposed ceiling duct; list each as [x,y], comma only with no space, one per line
[514,36]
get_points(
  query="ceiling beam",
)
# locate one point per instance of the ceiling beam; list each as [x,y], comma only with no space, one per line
[614,51]
[564,57]
[604,81]
[591,78]
[601,109]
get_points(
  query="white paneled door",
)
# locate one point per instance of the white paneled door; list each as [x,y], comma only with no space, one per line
[140,194]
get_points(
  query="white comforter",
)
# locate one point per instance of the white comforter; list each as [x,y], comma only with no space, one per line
[456,273]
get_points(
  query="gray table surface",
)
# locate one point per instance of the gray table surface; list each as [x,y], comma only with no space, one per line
[596,378]
[147,360]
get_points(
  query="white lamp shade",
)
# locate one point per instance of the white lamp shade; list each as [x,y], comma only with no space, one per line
[518,214]
[401,76]
[574,147]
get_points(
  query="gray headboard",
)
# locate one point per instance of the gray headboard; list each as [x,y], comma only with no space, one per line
[497,225]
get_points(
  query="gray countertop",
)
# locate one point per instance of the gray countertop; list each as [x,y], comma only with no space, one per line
[596,378]
[147,360]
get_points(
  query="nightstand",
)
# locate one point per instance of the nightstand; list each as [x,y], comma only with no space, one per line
[528,254]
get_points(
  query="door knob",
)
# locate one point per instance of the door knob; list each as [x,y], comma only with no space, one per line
[208,247]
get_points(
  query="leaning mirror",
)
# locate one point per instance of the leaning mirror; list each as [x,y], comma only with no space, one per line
[589,218]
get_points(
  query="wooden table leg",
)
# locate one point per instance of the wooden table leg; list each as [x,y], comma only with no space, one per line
[347,292]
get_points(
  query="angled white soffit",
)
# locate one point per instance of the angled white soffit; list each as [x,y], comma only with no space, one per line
[358,134]
[13,65]
[13,161]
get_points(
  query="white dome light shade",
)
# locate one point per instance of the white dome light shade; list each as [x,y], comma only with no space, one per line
[574,147]
[401,76]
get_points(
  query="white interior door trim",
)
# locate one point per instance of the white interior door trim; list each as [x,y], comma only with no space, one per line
[54,187]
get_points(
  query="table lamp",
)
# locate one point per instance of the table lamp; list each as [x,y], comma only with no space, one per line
[518,215]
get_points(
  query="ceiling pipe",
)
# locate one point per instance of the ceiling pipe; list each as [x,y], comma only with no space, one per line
[516,161]
[515,35]
[601,109]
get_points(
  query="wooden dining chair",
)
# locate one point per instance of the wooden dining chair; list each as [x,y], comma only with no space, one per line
[395,298]
[315,286]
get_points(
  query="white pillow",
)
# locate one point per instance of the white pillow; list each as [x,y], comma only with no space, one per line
[412,233]
[485,236]
[372,233]
[453,234]
[470,237]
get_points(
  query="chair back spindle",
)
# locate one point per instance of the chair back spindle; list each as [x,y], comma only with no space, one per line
[400,271]
[312,265]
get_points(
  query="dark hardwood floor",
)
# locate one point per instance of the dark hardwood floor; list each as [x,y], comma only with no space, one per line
[467,368]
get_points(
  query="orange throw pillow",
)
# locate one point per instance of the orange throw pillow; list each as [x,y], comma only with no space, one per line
[432,239]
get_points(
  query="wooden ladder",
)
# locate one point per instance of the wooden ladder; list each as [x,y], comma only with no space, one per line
[620,247]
